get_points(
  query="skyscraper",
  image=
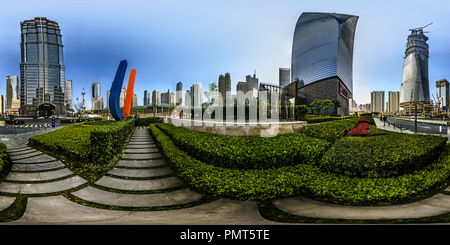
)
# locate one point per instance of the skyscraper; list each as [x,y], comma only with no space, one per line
[68,96]
[146,97]
[322,57]
[414,89]
[42,68]
[196,95]
[393,102]
[377,101]
[179,93]
[224,86]
[12,95]
[284,76]
[156,97]
[97,99]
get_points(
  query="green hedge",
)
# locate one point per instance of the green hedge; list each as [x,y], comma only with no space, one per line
[94,142]
[71,141]
[331,131]
[299,179]
[3,156]
[382,155]
[247,152]
[145,121]
[107,140]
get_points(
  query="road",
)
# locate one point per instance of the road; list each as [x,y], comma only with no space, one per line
[421,127]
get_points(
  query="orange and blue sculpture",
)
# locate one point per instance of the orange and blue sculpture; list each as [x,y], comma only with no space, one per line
[116,88]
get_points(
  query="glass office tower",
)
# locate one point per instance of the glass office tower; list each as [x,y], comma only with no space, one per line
[322,59]
[42,68]
[323,48]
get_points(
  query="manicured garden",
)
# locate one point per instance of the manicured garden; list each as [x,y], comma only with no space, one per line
[341,161]
[383,168]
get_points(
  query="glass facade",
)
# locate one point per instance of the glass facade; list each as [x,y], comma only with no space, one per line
[323,47]
[42,68]
[415,86]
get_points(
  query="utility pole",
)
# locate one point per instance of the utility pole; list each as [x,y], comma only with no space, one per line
[415,118]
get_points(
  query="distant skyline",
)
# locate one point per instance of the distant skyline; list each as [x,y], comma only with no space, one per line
[168,41]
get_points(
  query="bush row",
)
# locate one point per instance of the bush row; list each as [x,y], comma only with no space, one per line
[331,131]
[71,141]
[247,152]
[300,179]
[108,140]
[391,154]
[3,156]
[145,121]
[95,142]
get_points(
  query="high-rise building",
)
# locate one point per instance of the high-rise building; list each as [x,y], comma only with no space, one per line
[97,103]
[68,96]
[2,109]
[187,98]
[284,76]
[377,101]
[12,95]
[196,95]
[42,68]
[322,58]
[123,95]
[414,89]
[393,105]
[179,93]
[156,97]
[134,101]
[146,97]
[224,86]
[442,95]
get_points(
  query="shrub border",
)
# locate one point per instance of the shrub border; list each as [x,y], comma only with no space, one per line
[310,181]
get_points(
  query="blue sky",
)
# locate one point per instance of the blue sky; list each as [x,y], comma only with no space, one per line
[168,41]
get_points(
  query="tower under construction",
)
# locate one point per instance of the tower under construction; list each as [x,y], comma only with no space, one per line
[415,90]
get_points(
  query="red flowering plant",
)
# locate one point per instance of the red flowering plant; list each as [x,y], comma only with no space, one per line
[361,129]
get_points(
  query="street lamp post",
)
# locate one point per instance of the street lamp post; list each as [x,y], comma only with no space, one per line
[415,118]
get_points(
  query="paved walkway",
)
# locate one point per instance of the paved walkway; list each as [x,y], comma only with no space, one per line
[141,180]
[142,187]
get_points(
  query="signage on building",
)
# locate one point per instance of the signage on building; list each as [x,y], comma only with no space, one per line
[343,91]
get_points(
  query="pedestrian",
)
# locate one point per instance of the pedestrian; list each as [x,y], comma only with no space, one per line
[136,118]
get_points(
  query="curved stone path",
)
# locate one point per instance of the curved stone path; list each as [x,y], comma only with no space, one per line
[36,173]
[142,180]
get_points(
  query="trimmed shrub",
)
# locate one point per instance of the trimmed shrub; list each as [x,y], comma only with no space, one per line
[71,141]
[95,142]
[247,152]
[299,179]
[145,121]
[300,112]
[3,155]
[386,155]
[107,140]
[331,131]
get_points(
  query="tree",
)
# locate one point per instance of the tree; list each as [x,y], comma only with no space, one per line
[212,93]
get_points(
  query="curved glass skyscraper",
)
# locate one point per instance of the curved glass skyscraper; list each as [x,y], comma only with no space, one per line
[42,68]
[323,47]
[415,88]
[322,57]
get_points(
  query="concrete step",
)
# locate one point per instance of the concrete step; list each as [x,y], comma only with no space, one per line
[139,185]
[182,196]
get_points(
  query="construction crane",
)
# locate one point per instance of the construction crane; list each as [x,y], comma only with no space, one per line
[419,29]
